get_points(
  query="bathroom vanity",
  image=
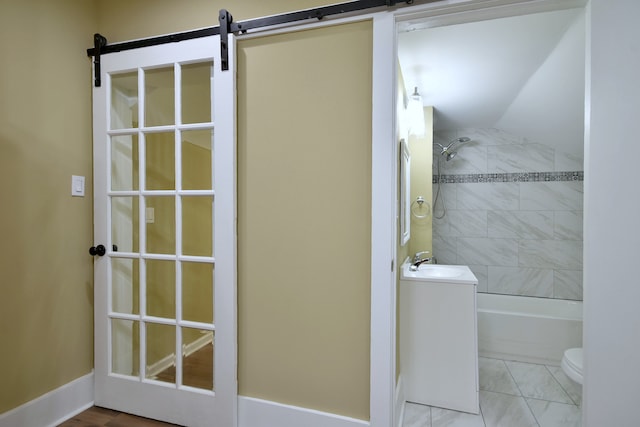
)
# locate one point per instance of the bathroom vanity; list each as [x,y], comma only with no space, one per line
[438,336]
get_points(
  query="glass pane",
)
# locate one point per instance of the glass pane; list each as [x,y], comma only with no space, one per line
[124,100]
[197,229]
[197,358]
[125,347]
[161,352]
[160,160]
[124,285]
[124,162]
[124,223]
[197,292]
[159,97]
[161,225]
[161,288]
[196,93]
[196,160]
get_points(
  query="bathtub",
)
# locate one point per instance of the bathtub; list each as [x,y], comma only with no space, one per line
[527,329]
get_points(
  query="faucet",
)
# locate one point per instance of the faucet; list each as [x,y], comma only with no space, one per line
[419,259]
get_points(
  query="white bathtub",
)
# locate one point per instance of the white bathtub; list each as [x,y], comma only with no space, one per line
[528,329]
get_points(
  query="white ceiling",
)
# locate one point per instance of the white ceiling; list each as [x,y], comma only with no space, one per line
[519,73]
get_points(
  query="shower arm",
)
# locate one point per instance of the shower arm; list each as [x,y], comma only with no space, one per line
[450,146]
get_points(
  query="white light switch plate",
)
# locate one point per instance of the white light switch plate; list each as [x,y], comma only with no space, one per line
[77,186]
[150,216]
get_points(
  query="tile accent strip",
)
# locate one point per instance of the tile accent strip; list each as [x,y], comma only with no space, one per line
[509,177]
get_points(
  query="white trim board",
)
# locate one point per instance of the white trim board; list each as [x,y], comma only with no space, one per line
[254,412]
[383,223]
[54,407]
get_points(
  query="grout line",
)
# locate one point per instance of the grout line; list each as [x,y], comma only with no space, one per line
[530,410]
[503,393]
[513,378]
[484,423]
[510,375]
[554,378]
[563,389]
[521,395]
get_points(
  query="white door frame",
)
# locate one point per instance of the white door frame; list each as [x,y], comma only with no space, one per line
[446,12]
[384,211]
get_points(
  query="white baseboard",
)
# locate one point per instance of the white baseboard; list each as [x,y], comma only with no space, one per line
[263,413]
[398,403]
[61,404]
[53,407]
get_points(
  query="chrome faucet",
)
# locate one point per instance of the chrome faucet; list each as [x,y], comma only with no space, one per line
[419,259]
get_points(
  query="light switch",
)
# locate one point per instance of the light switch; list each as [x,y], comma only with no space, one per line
[77,186]
[149,215]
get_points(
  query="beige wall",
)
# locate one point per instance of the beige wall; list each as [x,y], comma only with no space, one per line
[421,149]
[304,209]
[46,276]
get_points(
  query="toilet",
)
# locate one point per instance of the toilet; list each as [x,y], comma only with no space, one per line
[572,364]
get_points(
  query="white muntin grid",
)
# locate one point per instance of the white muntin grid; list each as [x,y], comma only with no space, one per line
[142,194]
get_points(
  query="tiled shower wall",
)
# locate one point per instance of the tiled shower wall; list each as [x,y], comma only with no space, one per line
[513,214]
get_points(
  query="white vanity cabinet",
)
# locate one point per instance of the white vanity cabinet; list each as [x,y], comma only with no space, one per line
[438,336]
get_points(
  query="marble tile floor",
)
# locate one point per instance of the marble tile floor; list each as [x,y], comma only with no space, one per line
[512,394]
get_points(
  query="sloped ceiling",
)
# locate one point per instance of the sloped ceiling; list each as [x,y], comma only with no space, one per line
[524,74]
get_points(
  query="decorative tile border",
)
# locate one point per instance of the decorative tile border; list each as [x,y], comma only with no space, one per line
[510,177]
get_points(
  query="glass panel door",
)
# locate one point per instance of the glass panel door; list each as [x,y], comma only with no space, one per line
[157,206]
[162,224]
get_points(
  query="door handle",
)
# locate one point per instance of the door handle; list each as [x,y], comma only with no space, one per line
[99,250]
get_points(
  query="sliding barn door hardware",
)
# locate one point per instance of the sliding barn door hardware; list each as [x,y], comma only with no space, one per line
[227,26]
[225,19]
[99,42]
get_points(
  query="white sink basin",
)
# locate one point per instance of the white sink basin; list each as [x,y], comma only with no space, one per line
[440,271]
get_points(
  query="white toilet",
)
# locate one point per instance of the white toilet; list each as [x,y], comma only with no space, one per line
[572,364]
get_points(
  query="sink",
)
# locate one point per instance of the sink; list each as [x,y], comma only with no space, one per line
[440,271]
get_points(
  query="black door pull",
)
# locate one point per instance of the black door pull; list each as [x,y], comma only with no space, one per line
[99,250]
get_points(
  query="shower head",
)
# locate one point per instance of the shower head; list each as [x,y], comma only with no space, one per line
[447,152]
[461,140]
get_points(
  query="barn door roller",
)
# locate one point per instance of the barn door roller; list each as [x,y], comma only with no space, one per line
[99,42]
[225,19]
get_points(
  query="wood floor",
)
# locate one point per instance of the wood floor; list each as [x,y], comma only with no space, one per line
[197,372]
[101,417]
